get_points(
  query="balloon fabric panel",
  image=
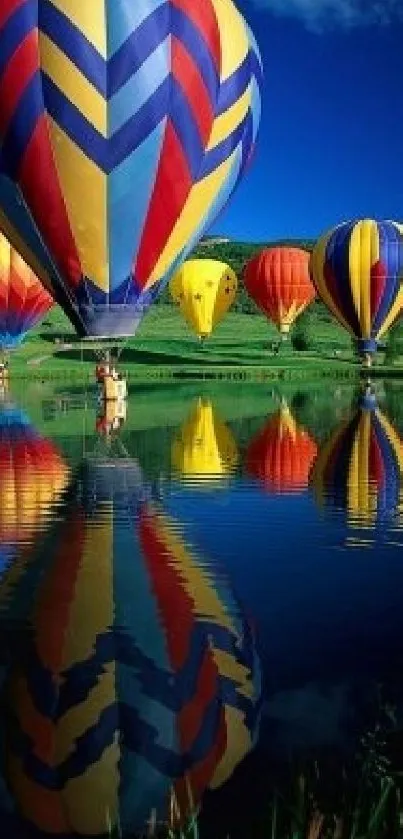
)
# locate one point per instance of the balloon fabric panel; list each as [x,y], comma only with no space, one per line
[23,300]
[123,133]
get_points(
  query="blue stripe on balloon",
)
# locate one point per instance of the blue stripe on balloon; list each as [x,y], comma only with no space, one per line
[388,494]
[391,255]
[137,48]
[256,107]
[137,91]
[338,257]
[22,125]
[90,141]
[184,122]
[123,16]
[71,120]
[192,39]
[216,156]
[14,32]
[234,87]
[73,43]
[126,217]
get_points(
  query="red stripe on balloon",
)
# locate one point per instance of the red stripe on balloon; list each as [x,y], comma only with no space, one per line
[175,605]
[378,284]
[171,190]
[188,76]
[7,8]
[203,16]
[18,73]
[377,473]
[40,185]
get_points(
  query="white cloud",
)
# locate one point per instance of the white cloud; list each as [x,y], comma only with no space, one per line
[319,14]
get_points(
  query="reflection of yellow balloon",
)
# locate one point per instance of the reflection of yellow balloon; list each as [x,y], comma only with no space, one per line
[205,445]
[204,290]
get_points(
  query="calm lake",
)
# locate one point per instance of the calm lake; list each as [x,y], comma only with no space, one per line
[201,611]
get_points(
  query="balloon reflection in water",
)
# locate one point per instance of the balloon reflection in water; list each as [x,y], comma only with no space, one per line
[360,468]
[142,686]
[32,477]
[282,454]
[205,446]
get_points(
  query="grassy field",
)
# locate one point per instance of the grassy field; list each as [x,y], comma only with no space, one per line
[164,347]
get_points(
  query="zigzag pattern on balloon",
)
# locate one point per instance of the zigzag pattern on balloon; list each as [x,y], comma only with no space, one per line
[126,130]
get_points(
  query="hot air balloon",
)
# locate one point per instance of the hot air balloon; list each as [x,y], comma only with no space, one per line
[33,476]
[205,447]
[360,468]
[23,299]
[123,132]
[278,280]
[357,269]
[127,706]
[204,290]
[282,454]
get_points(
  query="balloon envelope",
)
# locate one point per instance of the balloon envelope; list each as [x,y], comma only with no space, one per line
[204,289]
[23,299]
[357,269]
[281,456]
[205,446]
[122,132]
[278,280]
[360,468]
[131,703]
[33,475]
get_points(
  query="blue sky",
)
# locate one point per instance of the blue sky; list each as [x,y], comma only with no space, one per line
[330,146]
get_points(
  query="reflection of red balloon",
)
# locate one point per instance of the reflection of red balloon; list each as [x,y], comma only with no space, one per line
[282,454]
[278,280]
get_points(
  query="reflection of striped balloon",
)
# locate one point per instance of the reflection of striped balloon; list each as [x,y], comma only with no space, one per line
[357,268]
[205,446]
[141,688]
[32,477]
[360,468]
[126,129]
[281,456]
[23,300]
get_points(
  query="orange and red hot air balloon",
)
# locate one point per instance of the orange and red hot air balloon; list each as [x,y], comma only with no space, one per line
[282,454]
[278,280]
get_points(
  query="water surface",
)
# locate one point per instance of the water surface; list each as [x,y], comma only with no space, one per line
[201,610]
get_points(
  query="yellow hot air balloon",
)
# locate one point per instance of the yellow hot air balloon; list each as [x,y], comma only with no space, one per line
[205,446]
[204,290]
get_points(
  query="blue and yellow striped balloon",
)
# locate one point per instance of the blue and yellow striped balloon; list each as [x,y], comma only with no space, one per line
[124,130]
[357,269]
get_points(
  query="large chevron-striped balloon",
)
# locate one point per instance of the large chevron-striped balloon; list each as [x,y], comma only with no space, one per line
[124,129]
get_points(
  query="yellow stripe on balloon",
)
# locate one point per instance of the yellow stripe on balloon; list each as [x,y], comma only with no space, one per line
[84,189]
[394,438]
[394,313]
[238,745]
[317,264]
[199,201]
[193,577]
[226,123]
[235,48]
[15,239]
[68,78]
[364,253]
[92,615]
[92,799]
[89,18]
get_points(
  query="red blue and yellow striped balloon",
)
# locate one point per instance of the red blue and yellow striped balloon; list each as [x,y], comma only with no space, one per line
[124,129]
[129,704]
[23,299]
[360,468]
[358,271]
